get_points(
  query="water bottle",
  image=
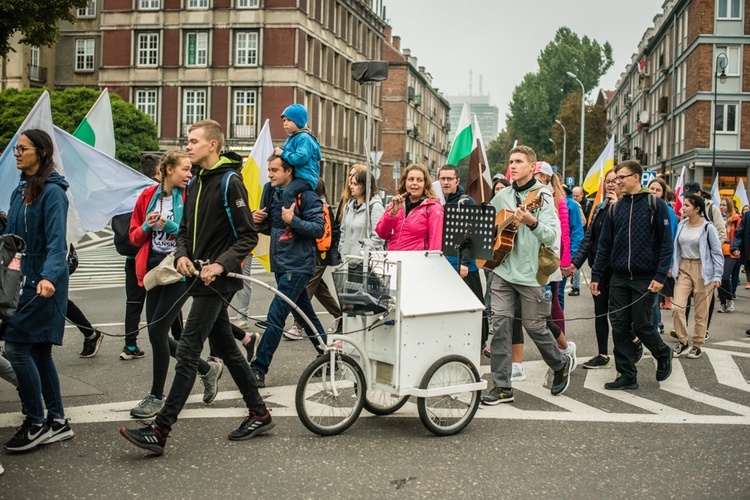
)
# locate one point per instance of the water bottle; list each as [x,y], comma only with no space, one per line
[547,295]
[15,263]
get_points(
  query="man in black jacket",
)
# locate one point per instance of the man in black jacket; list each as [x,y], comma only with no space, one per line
[636,243]
[222,236]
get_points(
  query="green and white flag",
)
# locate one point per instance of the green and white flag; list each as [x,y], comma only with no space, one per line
[463,143]
[97,129]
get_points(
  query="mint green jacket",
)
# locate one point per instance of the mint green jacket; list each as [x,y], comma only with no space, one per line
[521,265]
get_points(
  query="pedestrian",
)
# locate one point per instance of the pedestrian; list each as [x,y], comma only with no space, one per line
[636,242]
[154,228]
[355,228]
[575,203]
[413,220]
[698,263]
[659,188]
[744,260]
[731,264]
[292,261]
[520,280]
[221,238]
[586,204]
[38,214]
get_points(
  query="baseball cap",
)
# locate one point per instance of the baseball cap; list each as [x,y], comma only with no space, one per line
[542,167]
[692,187]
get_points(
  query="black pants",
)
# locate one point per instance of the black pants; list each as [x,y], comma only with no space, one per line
[725,291]
[474,283]
[601,308]
[208,319]
[75,315]
[630,313]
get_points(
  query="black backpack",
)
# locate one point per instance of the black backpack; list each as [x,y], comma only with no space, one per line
[121,228]
[11,280]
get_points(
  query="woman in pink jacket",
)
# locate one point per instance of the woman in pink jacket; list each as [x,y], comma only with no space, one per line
[414,218]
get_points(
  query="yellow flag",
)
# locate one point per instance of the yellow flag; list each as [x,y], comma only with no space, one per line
[604,164]
[255,176]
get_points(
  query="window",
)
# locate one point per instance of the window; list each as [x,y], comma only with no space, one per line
[197,4]
[733,59]
[88,11]
[243,118]
[145,100]
[725,118]
[194,106]
[34,60]
[196,47]
[85,54]
[148,49]
[728,9]
[246,49]
[248,4]
[149,4]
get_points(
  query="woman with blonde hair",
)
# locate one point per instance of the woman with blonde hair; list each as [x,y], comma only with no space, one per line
[414,218]
[728,282]
[347,194]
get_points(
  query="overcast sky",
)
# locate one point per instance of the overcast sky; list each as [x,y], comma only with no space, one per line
[501,39]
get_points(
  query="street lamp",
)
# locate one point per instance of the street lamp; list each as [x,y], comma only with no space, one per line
[553,145]
[583,122]
[565,146]
[721,64]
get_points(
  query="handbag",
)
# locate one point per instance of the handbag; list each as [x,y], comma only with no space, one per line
[549,262]
[163,274]
[11,279]
[72,260]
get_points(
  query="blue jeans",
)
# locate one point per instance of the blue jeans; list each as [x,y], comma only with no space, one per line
[294,286]
[37,378]
[575,281]
[561,293]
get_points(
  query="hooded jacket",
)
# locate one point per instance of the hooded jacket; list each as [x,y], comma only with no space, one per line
[422,229]
[741,242]
[301,149]
[43,226]
[353,226]
[205,230]
[712,260]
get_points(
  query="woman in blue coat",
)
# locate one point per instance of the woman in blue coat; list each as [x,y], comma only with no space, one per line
[38,214]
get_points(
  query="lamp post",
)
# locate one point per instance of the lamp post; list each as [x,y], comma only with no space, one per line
[583,122]
[553,145]
[565,145]
[721,63]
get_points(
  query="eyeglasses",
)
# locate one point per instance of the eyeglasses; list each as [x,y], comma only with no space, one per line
[21,149]
[613,181]
[446,179]
[621,178]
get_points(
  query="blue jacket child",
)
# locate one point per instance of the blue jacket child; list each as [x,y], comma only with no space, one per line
[302,151]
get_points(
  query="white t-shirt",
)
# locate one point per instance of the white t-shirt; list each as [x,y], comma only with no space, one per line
[690,238]
[162,241]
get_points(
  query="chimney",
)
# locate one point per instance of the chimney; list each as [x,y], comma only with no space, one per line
[397,43]
[387,34]
[421,69]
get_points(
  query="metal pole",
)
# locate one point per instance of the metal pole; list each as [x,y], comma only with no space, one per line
[719,59]
[583,124]
[565,146]
[368,163]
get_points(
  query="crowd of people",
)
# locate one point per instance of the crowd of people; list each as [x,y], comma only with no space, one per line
[193,226]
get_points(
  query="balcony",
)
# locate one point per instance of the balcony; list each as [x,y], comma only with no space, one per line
[37,74]
[243,131]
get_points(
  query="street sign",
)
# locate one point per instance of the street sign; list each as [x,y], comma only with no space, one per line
[396,170]
[375,157]
[648,176]
[570,181]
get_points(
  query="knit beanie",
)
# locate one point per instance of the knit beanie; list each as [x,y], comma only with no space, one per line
[296,113]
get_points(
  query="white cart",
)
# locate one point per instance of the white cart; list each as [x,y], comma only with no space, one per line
[425,344]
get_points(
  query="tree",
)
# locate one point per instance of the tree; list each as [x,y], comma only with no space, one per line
[36,20]
[134,130]
[536,100]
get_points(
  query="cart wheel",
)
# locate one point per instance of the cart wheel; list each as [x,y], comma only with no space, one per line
[319,409]
[380,402]
[448,415]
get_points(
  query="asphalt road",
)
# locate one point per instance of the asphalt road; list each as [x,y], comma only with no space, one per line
[686,438]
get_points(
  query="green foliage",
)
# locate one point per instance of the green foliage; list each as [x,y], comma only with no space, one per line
[36,20]
[497,151]
[134,131]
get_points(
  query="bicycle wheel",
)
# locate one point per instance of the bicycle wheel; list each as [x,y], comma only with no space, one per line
[380,402]
[320,409]
[449,414]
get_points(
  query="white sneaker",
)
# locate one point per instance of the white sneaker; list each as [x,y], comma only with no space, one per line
[294,333]
[517,375]
[730,306]
[239,322]
[572,351]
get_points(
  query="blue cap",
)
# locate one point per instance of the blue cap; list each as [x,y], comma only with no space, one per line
[296,113]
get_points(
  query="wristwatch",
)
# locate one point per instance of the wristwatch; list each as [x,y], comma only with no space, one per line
[534,225]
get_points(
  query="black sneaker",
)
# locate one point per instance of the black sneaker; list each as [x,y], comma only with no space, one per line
[706,334]
[57,431]
[252,346]
[664,368]
[680,349]
[148,437]
[260,378]
[497,395]
[129,353]
[252,426]
[621,383]
[28,436]
[598,362]
[91,346]
[694,353]
[747,332]
[574,292]
[638,348]
[562,377]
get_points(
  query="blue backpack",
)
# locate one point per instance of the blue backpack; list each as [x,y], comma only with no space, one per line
[224,190]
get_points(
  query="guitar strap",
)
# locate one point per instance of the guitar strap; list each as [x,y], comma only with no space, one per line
[529,197]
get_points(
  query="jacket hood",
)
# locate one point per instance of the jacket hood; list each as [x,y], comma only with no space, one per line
[297,113]
[454,197]
[230,160]
[53,178]
[568,191]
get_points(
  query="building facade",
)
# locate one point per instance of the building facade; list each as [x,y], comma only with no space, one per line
[671,109]
[27,66]
[480,105]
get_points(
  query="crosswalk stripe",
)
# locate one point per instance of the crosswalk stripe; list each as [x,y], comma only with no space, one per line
[727,371]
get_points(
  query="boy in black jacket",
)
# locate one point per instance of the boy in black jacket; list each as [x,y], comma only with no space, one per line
[209,233]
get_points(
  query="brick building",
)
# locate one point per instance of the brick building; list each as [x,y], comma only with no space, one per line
[664,111]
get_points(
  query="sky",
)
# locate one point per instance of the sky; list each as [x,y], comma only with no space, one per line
[501,39]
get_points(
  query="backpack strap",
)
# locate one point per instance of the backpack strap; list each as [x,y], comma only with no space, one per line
[224,190]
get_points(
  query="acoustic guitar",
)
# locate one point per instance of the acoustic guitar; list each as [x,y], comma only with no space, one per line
[506,228]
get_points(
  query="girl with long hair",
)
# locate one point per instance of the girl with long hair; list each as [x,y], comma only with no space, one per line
[731,264]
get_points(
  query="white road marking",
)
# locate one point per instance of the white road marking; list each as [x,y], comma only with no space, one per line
[727,371]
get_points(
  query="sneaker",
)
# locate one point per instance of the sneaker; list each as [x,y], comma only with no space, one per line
[562,377]
[673,333]
[288,235]
[252,345]
[28,436]
[148,407]
[706,334]
[621,383]
[638,347]
[597,362]
[572,351]
[747,287]
[574,292]
[722,308]
[91,346]
[129,353]
[487,352]
[57,431]
[252,426]
[497,395]
[149,438]
[518,374]
[294,333]
[210,381]
[747,332]
[694,353]
[661,327]
[663,368]
[241,323]
[680,349]
[260,378]
[730,306]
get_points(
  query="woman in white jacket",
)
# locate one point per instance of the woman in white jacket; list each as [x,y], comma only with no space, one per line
[354,230]
[698,265]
